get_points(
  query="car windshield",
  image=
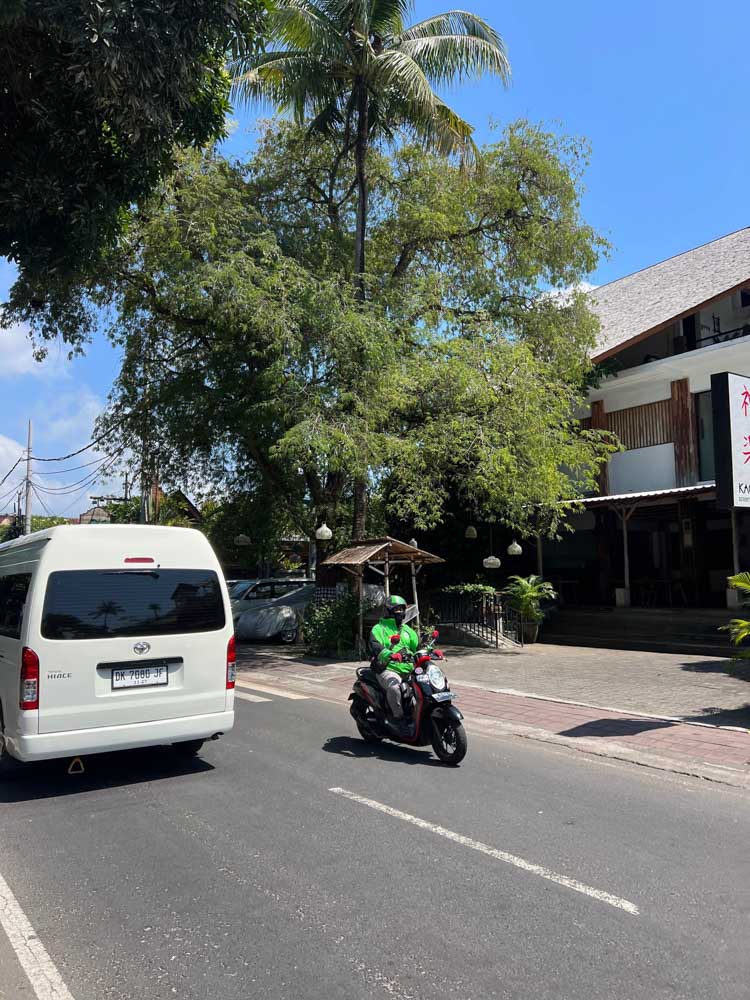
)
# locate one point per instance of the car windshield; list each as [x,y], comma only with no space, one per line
[239,588]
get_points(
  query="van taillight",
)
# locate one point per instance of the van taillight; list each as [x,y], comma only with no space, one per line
[29,680]
[231,663]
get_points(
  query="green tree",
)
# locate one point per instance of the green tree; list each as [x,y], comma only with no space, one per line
[353,69]
[93,98]
[235,311]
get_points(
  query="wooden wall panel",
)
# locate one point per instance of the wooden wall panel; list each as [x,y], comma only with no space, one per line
[643,426]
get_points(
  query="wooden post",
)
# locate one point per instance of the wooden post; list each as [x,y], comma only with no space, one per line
[599,422]
[735,542]
[539,555]
[625,515]
[414,591]
[626,555]
[684,433]
[361,617]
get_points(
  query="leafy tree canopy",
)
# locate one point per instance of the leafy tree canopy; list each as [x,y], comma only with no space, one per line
[93,98]
[250,366]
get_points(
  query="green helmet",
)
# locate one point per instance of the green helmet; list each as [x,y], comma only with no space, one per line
[395,602]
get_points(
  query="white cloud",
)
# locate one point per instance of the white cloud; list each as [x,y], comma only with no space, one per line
[563,296]
[10,451]
[69,417]
[17,356]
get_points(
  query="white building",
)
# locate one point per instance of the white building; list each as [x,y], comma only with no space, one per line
[655,536]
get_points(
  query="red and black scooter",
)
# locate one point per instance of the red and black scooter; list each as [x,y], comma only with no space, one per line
[428,705]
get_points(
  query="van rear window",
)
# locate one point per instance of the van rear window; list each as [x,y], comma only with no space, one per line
[106,604]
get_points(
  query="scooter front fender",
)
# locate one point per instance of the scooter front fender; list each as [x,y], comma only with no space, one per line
[447,712]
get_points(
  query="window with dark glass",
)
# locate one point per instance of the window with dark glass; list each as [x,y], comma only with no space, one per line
[101,604]
[13,591]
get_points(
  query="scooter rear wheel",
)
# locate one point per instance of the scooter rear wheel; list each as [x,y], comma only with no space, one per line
[449,742]
[367,734]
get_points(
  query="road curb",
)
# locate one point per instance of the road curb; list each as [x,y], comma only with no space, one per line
[614,751]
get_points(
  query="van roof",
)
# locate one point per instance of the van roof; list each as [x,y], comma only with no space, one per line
[87,529]
[88,544]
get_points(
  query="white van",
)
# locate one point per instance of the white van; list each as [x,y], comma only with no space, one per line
[112,637]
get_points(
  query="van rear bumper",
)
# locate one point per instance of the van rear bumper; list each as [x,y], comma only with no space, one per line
[48,746]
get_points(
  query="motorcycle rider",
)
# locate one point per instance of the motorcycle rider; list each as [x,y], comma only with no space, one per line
[388,660]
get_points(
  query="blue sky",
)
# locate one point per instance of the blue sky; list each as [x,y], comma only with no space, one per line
[660,90]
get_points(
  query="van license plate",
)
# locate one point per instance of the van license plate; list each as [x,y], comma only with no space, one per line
[130,677]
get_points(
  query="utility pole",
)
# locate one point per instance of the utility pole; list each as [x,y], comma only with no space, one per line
[27,509]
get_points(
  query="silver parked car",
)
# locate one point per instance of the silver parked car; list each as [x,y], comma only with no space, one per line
[270,608]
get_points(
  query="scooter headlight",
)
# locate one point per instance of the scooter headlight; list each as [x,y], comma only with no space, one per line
[437,678]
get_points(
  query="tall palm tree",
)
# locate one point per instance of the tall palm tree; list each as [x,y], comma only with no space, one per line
[352,68]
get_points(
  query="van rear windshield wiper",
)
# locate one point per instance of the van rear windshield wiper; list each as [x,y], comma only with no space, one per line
[131,572]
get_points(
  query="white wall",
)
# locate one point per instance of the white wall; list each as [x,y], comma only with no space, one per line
[643,469]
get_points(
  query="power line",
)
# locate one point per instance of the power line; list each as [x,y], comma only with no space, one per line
[64,458]
[80,493]
[62,472]
[10,473]
[40,498]
[91,477]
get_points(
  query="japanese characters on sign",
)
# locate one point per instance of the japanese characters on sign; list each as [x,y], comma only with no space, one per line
[731,412]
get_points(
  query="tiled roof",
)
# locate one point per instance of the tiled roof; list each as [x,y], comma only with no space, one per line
[652,298]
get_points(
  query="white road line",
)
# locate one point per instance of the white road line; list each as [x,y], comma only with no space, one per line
[31,953]
[249,697]
[510,859]
[267,689]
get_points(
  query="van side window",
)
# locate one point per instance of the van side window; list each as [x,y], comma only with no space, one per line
[13,591]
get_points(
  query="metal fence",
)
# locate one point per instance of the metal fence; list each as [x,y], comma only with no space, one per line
[481,615]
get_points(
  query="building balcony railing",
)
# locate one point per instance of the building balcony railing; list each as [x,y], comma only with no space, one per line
[722,336]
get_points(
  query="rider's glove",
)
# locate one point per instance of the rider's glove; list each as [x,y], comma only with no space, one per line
[397,657]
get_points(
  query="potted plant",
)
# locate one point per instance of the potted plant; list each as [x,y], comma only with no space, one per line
[525,595]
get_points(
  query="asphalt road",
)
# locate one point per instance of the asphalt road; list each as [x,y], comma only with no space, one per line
[243,875]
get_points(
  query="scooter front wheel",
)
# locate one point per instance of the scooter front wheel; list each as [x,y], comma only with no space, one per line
[449,741]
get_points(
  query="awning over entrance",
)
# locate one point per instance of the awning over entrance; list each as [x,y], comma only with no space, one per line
[381,550]
[381,554]
[675,494]
[625,505]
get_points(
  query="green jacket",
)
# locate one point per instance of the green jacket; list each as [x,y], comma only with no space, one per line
[380,643]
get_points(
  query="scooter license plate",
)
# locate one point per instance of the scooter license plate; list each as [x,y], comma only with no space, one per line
[443,696]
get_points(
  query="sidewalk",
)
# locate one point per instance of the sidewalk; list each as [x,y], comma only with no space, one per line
[670,712]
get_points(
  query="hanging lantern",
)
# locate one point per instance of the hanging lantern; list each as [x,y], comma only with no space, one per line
[470,533]
[514,549]
[491,562]
[324,533]
[414,543]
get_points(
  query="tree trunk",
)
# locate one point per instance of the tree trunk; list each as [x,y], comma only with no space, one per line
[359,521]
[360,155]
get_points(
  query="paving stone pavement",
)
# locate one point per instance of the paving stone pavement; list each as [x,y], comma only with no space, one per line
[671,684]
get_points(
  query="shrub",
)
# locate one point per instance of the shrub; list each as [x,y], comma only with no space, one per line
[470,589]
[330,629]
[526,593]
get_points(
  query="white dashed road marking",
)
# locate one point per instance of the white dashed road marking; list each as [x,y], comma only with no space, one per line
[267,689]
[31,953]
[509,859]
[249,697]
